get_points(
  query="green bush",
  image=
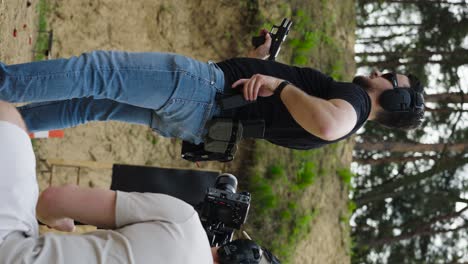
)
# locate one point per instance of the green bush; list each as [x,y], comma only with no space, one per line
[305,39]
[305,175]
[275,172]
[42,41]
[346,176]
[262,191]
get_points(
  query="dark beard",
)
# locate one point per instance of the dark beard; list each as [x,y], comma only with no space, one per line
[363,82]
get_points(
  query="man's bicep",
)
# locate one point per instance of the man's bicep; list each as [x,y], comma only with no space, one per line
[345,117]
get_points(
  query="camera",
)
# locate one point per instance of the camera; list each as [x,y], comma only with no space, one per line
[223,210]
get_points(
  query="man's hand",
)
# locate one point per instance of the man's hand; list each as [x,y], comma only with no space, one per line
[257,85]
[64,224]
[262,51]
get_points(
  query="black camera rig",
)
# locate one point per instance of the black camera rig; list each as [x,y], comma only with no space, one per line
[221,213]
[223,210]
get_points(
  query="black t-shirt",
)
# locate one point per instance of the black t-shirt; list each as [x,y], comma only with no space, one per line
[281,128]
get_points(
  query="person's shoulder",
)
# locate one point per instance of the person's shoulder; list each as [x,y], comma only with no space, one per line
[352,93]
[350,86]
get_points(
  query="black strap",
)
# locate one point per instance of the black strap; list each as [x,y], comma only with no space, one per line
[280,88]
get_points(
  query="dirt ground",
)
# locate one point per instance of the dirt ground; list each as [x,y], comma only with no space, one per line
[17,16]
[203,29]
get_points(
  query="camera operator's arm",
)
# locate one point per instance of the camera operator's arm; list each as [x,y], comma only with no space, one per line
[326,119]
[57,207]
[263,51]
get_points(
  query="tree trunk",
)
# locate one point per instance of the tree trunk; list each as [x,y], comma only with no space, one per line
[410,147]
[391,159]
[387,190]
[424,230]
[389,25]
[379,196]
[373,39]
[430,2]
[444,110]
[391,64]
[455,98]
[413,54]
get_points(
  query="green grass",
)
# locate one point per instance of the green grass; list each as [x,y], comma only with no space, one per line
[282,213]
[304,40]
[346,176]
[42,41]
[279,187]
[305,175]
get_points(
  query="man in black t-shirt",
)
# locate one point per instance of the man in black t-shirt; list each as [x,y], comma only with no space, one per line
[305,109]
[176,95]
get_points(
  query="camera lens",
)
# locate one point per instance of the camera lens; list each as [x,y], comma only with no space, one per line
[226,182]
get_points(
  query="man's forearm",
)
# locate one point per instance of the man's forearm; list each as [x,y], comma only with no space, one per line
[327,119]
[89,206]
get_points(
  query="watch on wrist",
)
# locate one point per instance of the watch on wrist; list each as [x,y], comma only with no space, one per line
[280,88]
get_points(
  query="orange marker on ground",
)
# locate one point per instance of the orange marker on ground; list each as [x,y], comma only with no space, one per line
[48,134]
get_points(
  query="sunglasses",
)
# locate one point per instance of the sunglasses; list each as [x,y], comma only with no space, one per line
[391,77]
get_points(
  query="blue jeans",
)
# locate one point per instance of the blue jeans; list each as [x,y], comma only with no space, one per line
[173,94]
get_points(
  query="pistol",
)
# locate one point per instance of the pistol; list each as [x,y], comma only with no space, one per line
[278,35]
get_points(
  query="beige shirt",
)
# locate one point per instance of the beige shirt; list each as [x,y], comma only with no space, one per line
[151,228]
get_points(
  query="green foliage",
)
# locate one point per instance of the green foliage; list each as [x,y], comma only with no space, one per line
[265,199]
[286,215]
[346,176]
[277,186]
[305,41]
[151,138]
[305,175]
[293,232]
[42,41]
[337,69]
[276,172]
[351,206]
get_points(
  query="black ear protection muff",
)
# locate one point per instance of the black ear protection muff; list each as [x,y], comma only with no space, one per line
[241,251]
[401,99]
[245,251]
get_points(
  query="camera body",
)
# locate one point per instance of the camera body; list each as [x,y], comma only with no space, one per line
[223,210]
